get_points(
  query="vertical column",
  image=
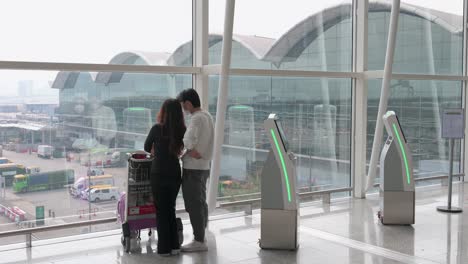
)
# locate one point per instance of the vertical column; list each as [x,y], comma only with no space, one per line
[385,93]
[464,142]
[28,240]
[222,103]
[360,90]
[200,48]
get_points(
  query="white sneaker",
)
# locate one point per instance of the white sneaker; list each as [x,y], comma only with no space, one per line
[195,246]
[175,252]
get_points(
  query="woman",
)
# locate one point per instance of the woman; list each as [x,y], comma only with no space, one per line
[165,139]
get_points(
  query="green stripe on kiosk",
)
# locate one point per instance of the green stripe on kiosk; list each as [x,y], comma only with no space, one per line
[285,171]
[408,177]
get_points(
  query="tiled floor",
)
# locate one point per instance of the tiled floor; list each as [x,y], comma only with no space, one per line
[347,231]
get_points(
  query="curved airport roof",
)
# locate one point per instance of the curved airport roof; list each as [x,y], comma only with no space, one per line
[68,79]
[291,45]
[141,58]
[132,58]
[287,48]
[257,45]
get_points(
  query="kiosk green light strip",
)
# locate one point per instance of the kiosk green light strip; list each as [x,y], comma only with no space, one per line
[402,151]
[282,164]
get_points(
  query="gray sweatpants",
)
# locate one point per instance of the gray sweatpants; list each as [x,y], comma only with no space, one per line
[194,192]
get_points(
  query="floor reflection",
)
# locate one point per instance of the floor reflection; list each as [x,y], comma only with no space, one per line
[145,252]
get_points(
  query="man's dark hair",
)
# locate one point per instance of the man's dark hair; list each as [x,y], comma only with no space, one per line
[189,95]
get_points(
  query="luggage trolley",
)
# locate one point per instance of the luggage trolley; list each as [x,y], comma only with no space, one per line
[135,208]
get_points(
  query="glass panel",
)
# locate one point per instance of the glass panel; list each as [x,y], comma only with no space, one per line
[59,127]
[429,37]
[419,105]
[312,35]
[89,31]
[316,118]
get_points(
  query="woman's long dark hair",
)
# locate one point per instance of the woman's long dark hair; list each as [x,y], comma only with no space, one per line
[171,118]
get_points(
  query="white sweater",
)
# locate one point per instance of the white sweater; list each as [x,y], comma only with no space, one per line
[200,137]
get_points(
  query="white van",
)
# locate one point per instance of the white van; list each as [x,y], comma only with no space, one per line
[103,194]
[44,151]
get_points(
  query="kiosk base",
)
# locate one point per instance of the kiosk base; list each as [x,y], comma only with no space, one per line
[279,229]
[452,209]
[397,208]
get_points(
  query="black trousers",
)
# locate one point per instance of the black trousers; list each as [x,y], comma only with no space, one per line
[165,196]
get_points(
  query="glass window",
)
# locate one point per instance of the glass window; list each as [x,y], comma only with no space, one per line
[312,35]
[419,105]
[91,120]
[89,31]
[429,37]
[316,118]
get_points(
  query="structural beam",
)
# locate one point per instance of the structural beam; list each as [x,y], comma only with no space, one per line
[200,48]
[360,90]
[385,92]
[222,104]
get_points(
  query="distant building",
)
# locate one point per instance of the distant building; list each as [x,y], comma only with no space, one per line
[25,88]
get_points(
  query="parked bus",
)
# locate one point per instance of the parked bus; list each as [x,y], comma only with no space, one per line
[9,170]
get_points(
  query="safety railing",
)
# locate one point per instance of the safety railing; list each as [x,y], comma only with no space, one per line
[29,231]
[431,178]
[249,203]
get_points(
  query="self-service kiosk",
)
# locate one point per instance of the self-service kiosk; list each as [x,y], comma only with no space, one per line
[279,212]
[397,195]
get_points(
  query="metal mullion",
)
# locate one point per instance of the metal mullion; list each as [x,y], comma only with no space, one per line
[89,67]
[293,73]
[427,77]
[464,142]
[360,90]
[200,48]
[370,75]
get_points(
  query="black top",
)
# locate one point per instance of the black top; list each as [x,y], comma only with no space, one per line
[166,166]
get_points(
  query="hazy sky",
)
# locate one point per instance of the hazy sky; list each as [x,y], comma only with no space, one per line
[93,31]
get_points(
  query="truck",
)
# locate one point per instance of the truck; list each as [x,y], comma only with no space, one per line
[83,183]
[43,181]
[44,151]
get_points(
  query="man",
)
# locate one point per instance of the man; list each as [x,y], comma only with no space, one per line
[198,141]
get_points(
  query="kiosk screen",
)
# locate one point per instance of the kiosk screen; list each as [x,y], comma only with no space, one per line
[282,135]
